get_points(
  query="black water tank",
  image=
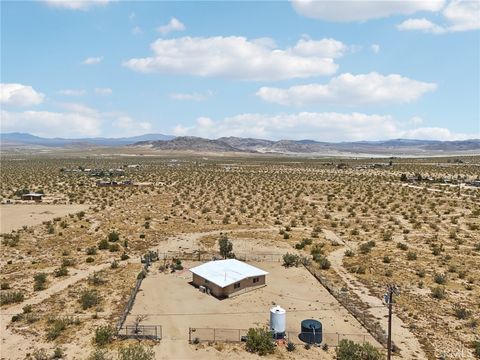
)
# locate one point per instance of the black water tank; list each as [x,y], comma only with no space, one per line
[311,331]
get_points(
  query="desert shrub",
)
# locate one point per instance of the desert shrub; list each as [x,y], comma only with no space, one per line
[96,279]
[438,292]
[440,278]
[136,352]
[114,264]
[349,253]
[68,262]
[114,247]
[40,282]
[291,260]
[104,335]
[113,236]
[366,247]
[349,350]
[89,259]
[476,348]
[324,263]
[461,312]
[57,326]
[58,353]
[124,256]
[11,297]
[291,346]
[402,246]
[91,250]
[10,239]
[89,298]
[103,244]
[61,271]
[387,259]
[259,341]
[411,255]
[40,354]
[4,285]
[99,354]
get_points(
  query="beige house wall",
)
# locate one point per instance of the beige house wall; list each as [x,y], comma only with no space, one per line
[230,289]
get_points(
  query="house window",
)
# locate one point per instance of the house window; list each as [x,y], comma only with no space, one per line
[236,285]
[206,281]
[256,280]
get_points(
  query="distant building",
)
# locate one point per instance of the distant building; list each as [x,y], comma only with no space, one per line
[222,278]
[32,196]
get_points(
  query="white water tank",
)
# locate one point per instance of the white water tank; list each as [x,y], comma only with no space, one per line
[277,321]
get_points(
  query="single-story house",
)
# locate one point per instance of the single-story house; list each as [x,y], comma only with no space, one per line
[32,196]
[222,278]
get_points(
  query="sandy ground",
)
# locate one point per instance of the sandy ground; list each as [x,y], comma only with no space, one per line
[405,339]
[13,217]
[170,301]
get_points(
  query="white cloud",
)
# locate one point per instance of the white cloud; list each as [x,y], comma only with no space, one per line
[76,4]
[420,24]
[72,92]
[126,126]
[435,133]
[458,15]
[137,30]
[362,10]
[173,25]
[50,124]
[19,95]
[78,108]
[375,48]
[329,48]
[329,126]
[350,90]
[191,96]
[239,58]
[416,120]
[103,91]
[93,60]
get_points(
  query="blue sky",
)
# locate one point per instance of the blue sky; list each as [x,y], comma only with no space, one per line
[324,70]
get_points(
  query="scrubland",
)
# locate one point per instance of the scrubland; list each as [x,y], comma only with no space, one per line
[71,274]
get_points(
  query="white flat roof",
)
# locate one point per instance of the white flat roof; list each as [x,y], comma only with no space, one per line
[226,272]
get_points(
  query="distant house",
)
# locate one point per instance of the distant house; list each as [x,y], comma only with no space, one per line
[32,196]
[222,278]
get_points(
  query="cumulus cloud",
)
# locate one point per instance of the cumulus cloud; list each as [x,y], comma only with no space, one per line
[362,10]
[49,124]
[326,126]
[126,126]
[93,60]
[350,90]
[458,15]
[76,4]
[173,25]
[239,58]
[19,95]
[72,92]
[195,96]
[103,91]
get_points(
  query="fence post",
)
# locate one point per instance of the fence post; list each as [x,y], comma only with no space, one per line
[189,335]
[214,335]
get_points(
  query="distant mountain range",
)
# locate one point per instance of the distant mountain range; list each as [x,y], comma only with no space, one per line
[16,138]
[236,144]
[160,142]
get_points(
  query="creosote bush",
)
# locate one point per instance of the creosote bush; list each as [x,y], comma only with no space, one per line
[260,341]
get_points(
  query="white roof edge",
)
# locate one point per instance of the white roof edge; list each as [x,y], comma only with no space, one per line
[226,272]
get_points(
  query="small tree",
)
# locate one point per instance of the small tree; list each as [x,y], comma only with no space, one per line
[290,260]
[104,335]
[225,247]
[113,236]
[260,341]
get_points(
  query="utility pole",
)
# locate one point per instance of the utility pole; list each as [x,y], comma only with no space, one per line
[388,298]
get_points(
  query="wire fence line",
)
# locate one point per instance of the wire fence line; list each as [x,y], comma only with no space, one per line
[208,256]
[197,335]
[141,332]
[345,298]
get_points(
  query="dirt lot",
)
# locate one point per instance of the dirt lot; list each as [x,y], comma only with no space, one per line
[13,217]
[170,301]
